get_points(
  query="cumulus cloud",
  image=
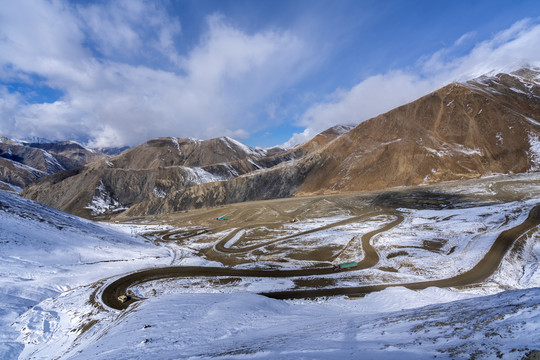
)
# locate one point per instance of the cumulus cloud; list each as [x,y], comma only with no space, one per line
[369,98]
[98,56]
[123,80]
[507,50]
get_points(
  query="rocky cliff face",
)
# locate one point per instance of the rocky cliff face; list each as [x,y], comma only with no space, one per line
[464,130]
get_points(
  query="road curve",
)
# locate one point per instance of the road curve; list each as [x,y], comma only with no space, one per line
[485,267]
[119,287]
[480,272]
[221,245]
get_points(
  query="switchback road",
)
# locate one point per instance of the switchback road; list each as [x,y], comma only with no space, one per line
[483,269]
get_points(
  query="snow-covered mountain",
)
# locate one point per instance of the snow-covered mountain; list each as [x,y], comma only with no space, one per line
[21,162]
[247,326]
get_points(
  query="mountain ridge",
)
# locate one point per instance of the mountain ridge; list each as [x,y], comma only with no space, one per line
[463,130]
[22,163]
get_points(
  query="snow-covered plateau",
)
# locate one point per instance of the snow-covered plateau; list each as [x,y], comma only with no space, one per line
[54,268]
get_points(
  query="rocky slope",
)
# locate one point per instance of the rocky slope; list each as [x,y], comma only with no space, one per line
[69,154]
[463,130]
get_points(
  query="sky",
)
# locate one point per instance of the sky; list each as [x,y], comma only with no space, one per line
[264,72]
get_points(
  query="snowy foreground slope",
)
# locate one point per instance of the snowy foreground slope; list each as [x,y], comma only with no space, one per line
[44,252]
[53,266]
[252,326]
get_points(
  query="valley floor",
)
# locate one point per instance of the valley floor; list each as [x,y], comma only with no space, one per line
[198,296]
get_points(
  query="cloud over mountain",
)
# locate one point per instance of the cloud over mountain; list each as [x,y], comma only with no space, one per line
[123,72]
[507,50]
[122,80]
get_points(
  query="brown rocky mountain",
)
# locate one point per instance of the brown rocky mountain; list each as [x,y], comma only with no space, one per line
[160,167]
[22,163]
[15,176]
[464,130]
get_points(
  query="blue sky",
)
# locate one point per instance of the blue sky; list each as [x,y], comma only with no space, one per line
[111,73]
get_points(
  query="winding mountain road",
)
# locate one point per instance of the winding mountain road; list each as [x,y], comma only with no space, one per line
[483,269]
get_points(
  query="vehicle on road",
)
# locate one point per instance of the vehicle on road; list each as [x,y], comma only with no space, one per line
[123,298]
[345,266]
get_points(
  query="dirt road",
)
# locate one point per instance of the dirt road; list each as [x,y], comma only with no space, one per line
[478,273]
[119,287]
[483,269]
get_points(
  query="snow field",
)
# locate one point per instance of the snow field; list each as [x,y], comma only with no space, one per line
[44,252]
[53,267]
[464,236]
[243,325]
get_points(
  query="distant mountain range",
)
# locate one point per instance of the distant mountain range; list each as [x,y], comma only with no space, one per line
[158,168]
[24,161]
[490,125]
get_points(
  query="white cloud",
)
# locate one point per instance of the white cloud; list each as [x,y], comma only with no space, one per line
[214,90]
[125,29]
[124,80]
[37,37]
[299,138]
[508,50]
[369,98]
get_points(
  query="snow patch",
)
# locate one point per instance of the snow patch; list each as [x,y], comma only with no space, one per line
[103,202]
[246,149]
[518,91]
[532,121]
[177,145]
[534,151]
[30,169]
[53,164]
[254,164]
[231,170]
[13,187]
[499,139]
[159,193]
[452,149]
[83,146]
[428,176]
[201,176]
